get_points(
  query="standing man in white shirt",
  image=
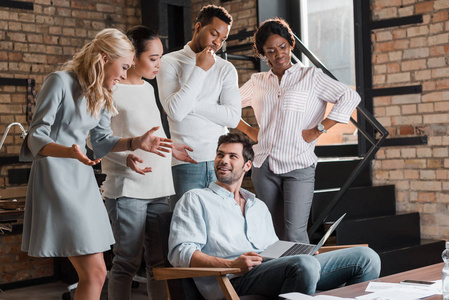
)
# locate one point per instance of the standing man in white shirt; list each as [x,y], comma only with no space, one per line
[199,93]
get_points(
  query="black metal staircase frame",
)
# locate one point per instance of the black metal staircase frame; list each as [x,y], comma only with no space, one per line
[368,156]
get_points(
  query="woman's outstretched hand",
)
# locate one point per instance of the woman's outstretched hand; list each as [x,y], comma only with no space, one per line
[180,153]
[131,162]
[81,156]
[154,144]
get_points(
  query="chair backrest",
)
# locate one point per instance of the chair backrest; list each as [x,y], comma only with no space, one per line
[180,289]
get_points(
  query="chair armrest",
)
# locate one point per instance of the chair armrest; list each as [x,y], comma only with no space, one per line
[325,249]
[179,273]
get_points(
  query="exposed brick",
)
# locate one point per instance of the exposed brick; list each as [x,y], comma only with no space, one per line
[426,197]
[436,96]
[416,53]
[418,64]
[424,7]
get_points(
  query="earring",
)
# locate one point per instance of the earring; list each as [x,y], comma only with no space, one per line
[134,67]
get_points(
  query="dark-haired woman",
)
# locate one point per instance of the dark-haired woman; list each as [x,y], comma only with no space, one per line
[135,195]
[289,103]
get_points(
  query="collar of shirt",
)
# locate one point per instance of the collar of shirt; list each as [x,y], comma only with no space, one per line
[249,197]
[294,68]
[189,52]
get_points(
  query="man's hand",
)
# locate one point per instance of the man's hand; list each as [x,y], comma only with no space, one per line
[309,135]
[180,153]
[246,262]
[131,162]
[154,144]
[75,152]
[206,58]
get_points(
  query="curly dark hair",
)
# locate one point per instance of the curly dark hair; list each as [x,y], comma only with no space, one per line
[236,138]
[207,13]
[266,29]
[139,35]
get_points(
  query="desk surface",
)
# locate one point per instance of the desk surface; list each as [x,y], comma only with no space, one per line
[429,273]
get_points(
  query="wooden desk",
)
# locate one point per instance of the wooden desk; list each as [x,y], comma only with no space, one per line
[429,273]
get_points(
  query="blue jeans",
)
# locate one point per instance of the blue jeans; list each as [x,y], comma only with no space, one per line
[307,273]
[191,176]
[135,229]
[288,197]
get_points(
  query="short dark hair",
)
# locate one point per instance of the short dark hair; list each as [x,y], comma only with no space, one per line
[269,27]
[139,35]
[236,138]
[207,13]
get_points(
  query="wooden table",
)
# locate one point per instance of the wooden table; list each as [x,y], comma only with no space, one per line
[429,273]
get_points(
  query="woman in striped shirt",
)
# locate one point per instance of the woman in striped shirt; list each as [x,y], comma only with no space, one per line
[289,103]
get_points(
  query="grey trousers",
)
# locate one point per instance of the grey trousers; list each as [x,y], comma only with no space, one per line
[288,197]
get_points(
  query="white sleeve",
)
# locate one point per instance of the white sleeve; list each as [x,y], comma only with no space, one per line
[178,101]
[228,111]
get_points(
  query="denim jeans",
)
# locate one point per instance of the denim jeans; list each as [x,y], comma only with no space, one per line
[288,197]
[307,273]
[135,229]
[191,176]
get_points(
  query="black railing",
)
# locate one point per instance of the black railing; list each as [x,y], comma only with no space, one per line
[362,113]
[368,156]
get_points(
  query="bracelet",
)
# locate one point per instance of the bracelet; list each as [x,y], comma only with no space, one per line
[130,144]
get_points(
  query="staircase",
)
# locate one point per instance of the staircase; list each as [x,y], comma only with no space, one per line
[371,217]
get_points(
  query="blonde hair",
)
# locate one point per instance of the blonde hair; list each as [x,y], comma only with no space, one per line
[88,65]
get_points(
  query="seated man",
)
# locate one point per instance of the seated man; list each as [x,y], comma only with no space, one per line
[226,226]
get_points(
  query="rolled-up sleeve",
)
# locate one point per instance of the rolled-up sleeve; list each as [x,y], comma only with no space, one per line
[48,101]
[345,99]
[101,137]
[188,231]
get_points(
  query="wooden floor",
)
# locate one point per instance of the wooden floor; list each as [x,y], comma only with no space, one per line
[54,291]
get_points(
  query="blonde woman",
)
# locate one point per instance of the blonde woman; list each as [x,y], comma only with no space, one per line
[65,215]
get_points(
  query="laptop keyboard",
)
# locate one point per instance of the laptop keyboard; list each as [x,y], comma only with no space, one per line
[298,249]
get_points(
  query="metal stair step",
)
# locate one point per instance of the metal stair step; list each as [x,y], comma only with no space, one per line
[359,202]
[381,233]
[424,253]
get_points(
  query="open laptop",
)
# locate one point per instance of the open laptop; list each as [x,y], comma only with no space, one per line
[285,248]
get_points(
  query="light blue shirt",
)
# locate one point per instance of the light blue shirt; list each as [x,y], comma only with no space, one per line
[210,220]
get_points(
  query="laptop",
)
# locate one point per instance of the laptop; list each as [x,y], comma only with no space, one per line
[285,248]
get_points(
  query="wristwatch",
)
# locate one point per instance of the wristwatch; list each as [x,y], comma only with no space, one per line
[321,128]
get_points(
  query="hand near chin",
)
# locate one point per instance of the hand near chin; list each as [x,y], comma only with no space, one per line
[206,58]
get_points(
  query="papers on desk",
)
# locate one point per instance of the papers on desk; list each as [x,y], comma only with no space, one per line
[396,291]
[299,296]
[380,291]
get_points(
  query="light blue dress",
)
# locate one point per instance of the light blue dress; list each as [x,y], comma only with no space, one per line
[64,212]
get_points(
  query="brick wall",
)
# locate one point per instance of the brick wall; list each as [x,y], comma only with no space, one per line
[409,55]
[34,43]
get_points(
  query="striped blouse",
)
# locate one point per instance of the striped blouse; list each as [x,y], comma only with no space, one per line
[284,109]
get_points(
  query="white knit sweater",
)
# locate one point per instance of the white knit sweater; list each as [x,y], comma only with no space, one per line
[199,104]
[138,113]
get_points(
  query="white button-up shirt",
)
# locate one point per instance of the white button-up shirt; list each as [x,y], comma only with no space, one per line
[284,109]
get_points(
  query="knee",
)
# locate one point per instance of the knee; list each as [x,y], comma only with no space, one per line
[97,274]
[370,262]
[306,270]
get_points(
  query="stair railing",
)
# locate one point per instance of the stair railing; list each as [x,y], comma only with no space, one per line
[369,155]
[362,113]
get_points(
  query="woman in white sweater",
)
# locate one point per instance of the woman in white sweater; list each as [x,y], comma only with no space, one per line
[135,195]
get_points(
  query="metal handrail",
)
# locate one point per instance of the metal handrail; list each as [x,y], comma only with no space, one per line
[375,144]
